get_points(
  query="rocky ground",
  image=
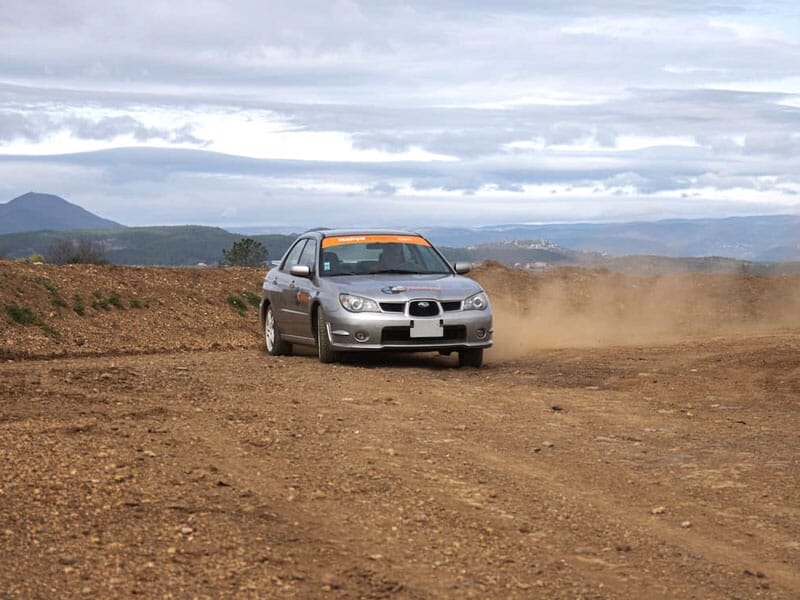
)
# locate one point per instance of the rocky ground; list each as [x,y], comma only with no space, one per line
[627,438]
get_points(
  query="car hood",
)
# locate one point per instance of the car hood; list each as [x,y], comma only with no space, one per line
[393,287]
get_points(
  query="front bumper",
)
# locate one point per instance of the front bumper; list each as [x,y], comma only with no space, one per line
[387,331]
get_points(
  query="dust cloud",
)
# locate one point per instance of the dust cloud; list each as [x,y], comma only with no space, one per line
[571,307]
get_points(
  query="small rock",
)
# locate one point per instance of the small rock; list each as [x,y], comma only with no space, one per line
[67,559]
[186,530]
[330,581]
[757,574]
[686,524]
[547,444]
[624,548]
[658,510]
[556,408]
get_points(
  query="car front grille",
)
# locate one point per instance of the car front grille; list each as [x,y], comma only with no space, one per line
[397,307]
[402,335]
[400,307]
[423,308]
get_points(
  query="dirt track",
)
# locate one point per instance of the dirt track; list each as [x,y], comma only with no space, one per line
[661,470]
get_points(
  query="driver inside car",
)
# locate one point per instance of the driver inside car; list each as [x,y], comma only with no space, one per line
[391,258]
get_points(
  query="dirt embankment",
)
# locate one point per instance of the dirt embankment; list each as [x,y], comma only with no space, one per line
[74,310]
[79,310]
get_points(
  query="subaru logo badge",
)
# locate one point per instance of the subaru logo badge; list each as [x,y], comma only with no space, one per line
[423,304]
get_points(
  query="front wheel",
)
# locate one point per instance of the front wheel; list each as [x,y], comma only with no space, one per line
[276,345]
[472,357]
[325,351]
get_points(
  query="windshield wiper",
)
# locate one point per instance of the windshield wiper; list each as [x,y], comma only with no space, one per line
[402,271]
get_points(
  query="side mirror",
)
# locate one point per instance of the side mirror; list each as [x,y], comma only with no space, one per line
[300,271]
[462,268]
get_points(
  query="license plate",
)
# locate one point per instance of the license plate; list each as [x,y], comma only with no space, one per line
[427,328]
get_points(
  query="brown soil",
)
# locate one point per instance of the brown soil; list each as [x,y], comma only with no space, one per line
[628,438]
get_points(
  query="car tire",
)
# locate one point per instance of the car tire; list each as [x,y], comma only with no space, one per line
[276,345]
[325,352]
[472,357]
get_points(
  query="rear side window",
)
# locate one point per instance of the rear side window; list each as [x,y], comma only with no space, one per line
[293,258]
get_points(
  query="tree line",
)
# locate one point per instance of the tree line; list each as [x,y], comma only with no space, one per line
[245,252]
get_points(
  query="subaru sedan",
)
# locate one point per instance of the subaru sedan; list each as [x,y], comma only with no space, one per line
[352,291]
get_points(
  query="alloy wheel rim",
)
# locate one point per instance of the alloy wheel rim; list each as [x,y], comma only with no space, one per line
[270,330]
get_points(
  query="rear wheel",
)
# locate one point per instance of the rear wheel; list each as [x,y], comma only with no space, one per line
[276,345]
[472,357]
[325,351]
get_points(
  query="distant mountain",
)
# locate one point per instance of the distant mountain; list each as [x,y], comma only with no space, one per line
[761,238]
[781,254]
[35,212]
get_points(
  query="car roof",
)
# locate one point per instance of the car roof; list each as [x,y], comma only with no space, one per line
[369,231]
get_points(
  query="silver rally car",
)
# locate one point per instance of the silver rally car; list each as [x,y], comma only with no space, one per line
[345,291]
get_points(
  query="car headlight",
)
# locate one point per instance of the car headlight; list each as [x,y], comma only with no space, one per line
[358,304]
[479,301]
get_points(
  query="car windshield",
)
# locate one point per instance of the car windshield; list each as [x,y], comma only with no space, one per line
[376,254]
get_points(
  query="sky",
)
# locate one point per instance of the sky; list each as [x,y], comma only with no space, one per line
[263,113]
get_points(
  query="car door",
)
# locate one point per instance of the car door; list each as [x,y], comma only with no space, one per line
[304,291]
[284,283]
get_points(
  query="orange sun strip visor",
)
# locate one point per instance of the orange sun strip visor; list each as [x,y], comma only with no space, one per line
[345,240]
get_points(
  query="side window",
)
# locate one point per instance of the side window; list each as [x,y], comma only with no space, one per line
[293,258]
[309,255]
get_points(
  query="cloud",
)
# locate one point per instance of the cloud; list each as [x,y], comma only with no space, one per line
[109,128]
[38,126]
[382,189]
[567,110]
[14,125]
